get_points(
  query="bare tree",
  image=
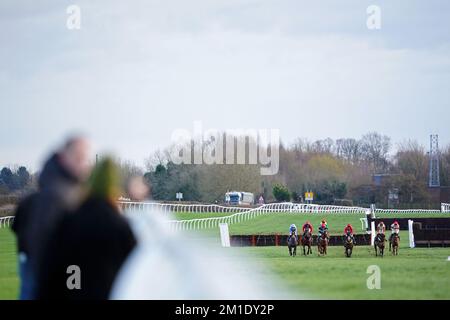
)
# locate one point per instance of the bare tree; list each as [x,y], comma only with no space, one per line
[375,149]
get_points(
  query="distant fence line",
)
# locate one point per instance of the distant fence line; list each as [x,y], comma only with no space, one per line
[238,215]
[6,221]
[241,214]
[406,211]
[179,208]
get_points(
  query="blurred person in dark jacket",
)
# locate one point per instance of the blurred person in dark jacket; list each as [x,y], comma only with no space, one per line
[60,190]
[90,245]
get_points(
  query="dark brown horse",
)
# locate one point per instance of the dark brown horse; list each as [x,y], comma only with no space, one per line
[292,243]
[348,245]
[307,241]
[394,243]
[380,239]
[322,243]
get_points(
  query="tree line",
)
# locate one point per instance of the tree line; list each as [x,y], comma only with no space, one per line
[12,180]
[337,171]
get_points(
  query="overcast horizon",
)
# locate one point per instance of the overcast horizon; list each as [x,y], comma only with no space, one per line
[136,72]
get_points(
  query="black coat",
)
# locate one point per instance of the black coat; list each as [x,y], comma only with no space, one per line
[97,239]
[22,220]
[36,216]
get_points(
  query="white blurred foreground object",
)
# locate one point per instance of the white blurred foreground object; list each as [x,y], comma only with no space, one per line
[411,233]
[372,233]
[171,265]
[224,235]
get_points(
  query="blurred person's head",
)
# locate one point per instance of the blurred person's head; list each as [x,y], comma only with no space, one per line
[105,181]
[137,188]
[75,156]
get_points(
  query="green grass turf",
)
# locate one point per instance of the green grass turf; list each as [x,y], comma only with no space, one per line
[418,273]
[280,222]
[9,282]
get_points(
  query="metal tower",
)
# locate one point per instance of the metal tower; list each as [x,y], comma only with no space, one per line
[434,162]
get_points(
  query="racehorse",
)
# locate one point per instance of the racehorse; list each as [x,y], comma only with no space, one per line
[292,245]
[380,239]
[394,243]
[322,243]
[348,245]
[307,241]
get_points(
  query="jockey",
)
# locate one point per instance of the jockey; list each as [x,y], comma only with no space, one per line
[307,225]
[395,229]
[323,227]
[381,228]
[349,230]
[293,230]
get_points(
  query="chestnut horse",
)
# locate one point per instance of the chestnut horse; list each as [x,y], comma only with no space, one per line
[394,243]
[322,243]
[307,241]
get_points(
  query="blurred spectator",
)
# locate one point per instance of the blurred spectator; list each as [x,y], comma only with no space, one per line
[59,192]
[137,188]
[96,239]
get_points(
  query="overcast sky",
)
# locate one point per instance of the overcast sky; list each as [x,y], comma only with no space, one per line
[138,70]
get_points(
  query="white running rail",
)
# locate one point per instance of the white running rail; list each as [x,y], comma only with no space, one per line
[177,208]
[408,211]
[239,215]
[445,207]
[6,221]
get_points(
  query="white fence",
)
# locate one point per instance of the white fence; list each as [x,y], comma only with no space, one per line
[408,211]
[239,215]
[177,208]
[6,221]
